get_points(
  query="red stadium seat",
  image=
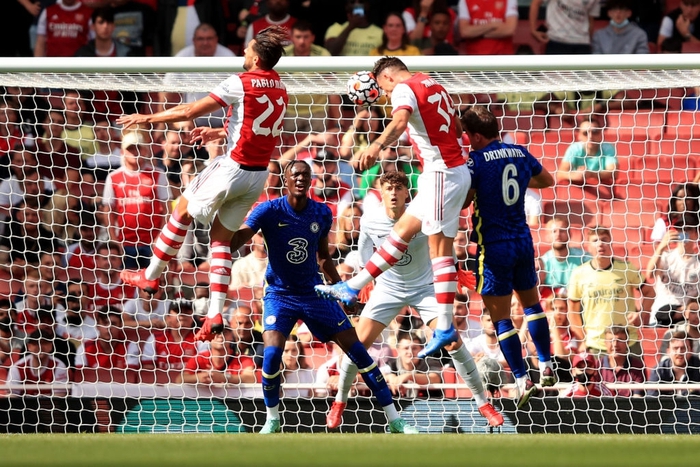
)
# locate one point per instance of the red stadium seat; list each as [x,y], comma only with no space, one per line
[635,125]
[651,339]
[682,125]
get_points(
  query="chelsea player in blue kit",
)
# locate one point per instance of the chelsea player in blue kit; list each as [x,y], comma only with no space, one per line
[296,235]
[501,173]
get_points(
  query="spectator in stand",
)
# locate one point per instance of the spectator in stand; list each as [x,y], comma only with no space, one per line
[27,184]
[176,23]
[690,325]
[309,112]
[136,197]
[109,289]
[646,14]
[564,344]
[195,248]
[419,21]
[78,132]
[682,24]
[395,40]
[277,15]
[147,311]
[326,186]
[249,271]
[200,304]
[366,126]
[205,44]
[438,43]
[589,162]
[556,264]
[568,25]
[679,365]
[55,157]
[618,366]
[134,23]
[175,153]
[347,231]
[487,28]
[683,207]
[587,382]
[106,357]
[620,36]
[219,364]
[103,44]
[171,348]
[26,319]
[602,294]
[79,259]
[108,156]
[675,269]
[467,327]
[295,369]
[246,339]
[357,36]
[38,366]
[407,367]
[25,238]
[303,39]
[62,29]
[488,355]
[75,322]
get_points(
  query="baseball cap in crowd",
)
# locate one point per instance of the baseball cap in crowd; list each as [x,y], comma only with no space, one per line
[323,155]
[132,138]
[584,357]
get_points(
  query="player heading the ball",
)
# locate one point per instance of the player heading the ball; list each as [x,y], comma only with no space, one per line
[223,193]
[422,107]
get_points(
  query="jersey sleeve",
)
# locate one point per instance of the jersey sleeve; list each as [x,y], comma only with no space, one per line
[365,246]
[108,193]
[256,217]
[229,91]
[609,155]
[535,166]
[403,98]
[327,216]
[80,360]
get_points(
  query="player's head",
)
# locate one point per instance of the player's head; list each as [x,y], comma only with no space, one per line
[297,178]
[108,320]
[480,125]
[389,71]
[103,23]
[265,50]
[393,187]
[599,242]
[303,38]
[205,40]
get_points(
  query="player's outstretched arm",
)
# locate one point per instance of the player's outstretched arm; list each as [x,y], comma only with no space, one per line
[391,134]
[241,237]
[179,113]
[204,134]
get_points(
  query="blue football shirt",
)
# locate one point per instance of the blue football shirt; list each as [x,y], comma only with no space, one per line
[292,241]
[500,175]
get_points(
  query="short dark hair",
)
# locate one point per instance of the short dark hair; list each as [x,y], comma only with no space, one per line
[394,178]
[302,25]
[107,311]
[388,62]
[41,334]
[269,45]
[598,231]
[479,120]
[619,5]
[292,163]
[105,13]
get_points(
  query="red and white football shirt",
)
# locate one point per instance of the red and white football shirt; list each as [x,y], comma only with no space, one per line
[478,12]
[51,371]
[234,364]
[91,355]
[138,198]
[265,22]
[168,354]
[116,293]
[258,101]
[432,125]
[67,28]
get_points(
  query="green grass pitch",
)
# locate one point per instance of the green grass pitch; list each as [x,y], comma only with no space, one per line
[336,450]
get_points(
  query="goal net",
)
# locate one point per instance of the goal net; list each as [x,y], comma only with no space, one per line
[79,351]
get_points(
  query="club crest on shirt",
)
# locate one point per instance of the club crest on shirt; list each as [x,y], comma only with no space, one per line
[270,320]
[314,227]
[405,259]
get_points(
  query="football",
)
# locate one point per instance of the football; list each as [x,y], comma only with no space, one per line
[363,88]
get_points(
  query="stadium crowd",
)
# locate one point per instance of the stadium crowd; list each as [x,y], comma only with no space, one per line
[80,200]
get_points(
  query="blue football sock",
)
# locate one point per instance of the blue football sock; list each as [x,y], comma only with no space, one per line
[539,331]
[370,373]
[510,346]
[271,375]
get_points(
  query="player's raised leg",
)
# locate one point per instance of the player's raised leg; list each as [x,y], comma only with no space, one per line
[388,254]
[166,247]
[373,378]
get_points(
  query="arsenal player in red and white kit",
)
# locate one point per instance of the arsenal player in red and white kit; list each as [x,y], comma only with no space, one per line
[224,192]
[422,107]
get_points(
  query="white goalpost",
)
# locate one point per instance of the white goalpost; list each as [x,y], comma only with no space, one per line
[647,107]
